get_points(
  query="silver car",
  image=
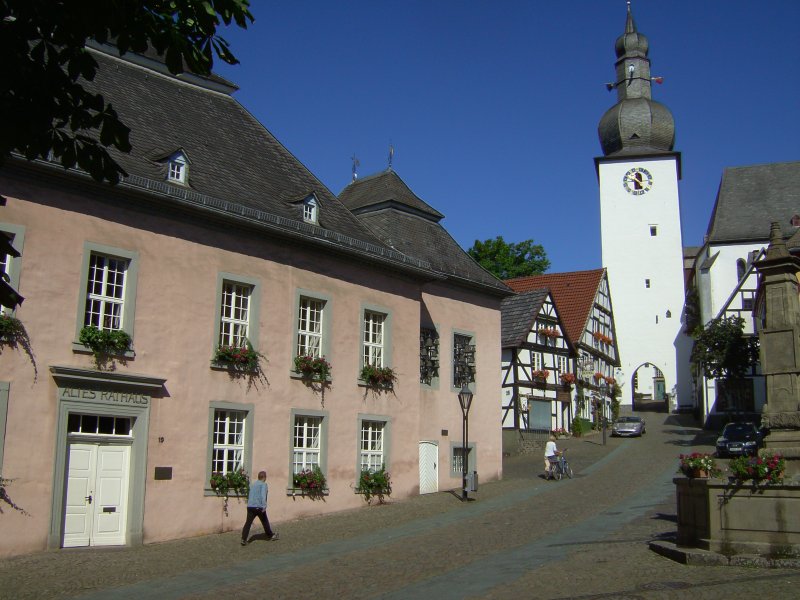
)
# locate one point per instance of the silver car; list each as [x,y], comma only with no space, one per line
[628,426]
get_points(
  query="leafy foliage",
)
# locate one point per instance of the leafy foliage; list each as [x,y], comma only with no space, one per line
[314,367]
[379,377]
[311,482]
[46,65]
[105,343]
[698,461]
[580,426]
[766,468]
[374,484]
[235,483]
[244,357]
[508,260]
[14,334]
[723,351]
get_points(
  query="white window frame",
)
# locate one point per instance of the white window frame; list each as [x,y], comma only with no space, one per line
[319,452]
[128,300]
[234,318]
[253,309]
[310,210]
[310,326]
[13,264]
[178,168]
[105,292]
[306,443]
[372,444]
[247,410]
[374,338]
[456,450]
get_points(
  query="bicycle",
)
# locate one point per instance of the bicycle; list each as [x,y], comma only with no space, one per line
[559,467]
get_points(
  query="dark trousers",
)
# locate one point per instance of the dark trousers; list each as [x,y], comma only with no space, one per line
[252,513]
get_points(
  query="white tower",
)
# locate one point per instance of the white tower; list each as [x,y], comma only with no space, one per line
[640,224]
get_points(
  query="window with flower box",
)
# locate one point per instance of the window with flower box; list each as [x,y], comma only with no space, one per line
[372,445]
[230,439]
[373,340]
[309,442]
[237,310]
[108,290]
[309,327]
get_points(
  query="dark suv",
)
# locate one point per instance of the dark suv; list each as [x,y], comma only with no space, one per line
[739,438]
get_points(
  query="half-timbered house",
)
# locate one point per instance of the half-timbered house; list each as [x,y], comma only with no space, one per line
[538,369]
[583,301]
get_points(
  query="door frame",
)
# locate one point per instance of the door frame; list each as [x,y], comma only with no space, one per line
[107,394]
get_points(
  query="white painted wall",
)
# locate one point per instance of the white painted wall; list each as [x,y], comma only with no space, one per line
[632,255]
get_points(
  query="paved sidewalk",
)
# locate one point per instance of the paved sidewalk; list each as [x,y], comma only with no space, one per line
[523,537]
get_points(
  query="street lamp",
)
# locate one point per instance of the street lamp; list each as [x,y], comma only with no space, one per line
[603,387]
[465,400]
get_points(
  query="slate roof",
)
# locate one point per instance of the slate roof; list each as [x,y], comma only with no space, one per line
[239,173]
[750,198]
[388,208]
[573,293]
[518,313]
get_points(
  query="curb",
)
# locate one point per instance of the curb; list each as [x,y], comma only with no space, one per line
[705,558]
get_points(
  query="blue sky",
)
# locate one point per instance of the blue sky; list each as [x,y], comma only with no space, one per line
[492,106]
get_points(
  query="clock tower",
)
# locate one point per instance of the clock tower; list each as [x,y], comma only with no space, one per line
[640,224]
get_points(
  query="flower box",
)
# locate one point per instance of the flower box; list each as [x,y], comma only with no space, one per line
[243,358]
[374,484]
[767,468]
[380,378]
[315,368]
[697,465]
[310,482]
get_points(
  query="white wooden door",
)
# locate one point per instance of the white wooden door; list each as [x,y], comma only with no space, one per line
[97,495]
[428,467]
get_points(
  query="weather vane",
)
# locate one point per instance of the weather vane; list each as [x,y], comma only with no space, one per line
[391,155]
[356,163]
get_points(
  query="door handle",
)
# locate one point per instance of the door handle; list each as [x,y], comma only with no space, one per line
[89,498]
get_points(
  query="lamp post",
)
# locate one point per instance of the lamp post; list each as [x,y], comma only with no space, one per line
[465,400]
[603,387]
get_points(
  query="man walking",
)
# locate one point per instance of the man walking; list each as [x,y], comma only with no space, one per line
[257,507]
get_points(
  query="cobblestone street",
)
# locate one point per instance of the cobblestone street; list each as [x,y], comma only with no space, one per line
[522,537]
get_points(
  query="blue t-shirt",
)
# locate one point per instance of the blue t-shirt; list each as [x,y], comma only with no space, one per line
[258,494]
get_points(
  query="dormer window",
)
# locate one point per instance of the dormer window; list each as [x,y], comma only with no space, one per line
[178,168]
[310,210]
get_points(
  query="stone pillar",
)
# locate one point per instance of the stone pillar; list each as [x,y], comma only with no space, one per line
[778,326]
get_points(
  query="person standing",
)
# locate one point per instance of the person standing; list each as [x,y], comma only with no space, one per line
[257,507]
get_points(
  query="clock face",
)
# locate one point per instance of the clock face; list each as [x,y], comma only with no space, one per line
[637,181]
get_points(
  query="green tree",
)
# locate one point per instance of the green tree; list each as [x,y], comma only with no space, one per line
[508,260]
[46,109]
[722,349]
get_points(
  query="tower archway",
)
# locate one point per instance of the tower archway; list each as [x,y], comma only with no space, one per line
[648,388]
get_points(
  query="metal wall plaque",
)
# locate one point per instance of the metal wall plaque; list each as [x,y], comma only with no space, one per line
[163,473]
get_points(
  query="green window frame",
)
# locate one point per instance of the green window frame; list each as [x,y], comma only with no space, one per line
[253,310]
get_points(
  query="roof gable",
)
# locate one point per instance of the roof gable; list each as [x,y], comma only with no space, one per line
[573,293]
[382,190]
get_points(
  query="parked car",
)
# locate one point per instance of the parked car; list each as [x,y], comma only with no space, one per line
[628,426]
[736,439]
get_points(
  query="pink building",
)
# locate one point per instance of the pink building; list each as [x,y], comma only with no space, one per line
[220,238]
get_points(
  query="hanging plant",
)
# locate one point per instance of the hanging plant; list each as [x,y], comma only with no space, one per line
[382,378]
[598,376]
[225,485]
[243,358]
[541,375]
[315,368]
[374,484]
[105,343]
[311,482]
[549,332]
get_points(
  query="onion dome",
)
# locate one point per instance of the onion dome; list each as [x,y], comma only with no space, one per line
[636,124]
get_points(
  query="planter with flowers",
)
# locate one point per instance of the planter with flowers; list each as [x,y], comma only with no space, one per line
[548,333]
[378,378]
[235,483]
[767,468]
[540,376]
[561,433]
[601,337]
[309,482]
[238,358]
[374,484]
[567,380]
[312,368]
[598,376]
[610,380]
[105,344]
[697,464]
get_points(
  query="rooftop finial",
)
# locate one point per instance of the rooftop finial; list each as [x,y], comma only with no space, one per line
[356,163]
[391,155]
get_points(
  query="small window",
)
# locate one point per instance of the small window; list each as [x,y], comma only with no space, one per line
[234,314]
[98,425]
[741,268]
[463,360]
[457,464]
[669,314]
[653,230]
[105,292]
[309,327]
[177,168]
[428,355]
[647,283]
[310,210]
[307,443]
